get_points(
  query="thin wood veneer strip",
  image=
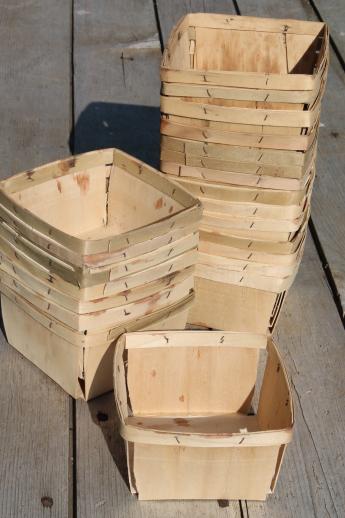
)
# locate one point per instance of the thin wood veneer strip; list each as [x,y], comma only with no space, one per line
[248,23]
[223,172]
[98,320]
[50,293]
[274,142]
[219,160]
[247,155]
[136,168]
[217,245]
[241,265]
[243,194]
[90,339]
[241,94]
[250,280]
[251,439]
[141,340]
[262,117]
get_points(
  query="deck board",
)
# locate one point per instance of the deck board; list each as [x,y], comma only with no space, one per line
[116,103]
[35,105]
[328,208]
[310,337]
[333,13]
[311,478]
[116,77]
[127,100]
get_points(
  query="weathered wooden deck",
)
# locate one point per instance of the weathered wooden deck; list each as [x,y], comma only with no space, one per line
[84,74]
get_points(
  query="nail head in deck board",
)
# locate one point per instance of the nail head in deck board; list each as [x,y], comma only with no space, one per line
[35,104]
[117,56]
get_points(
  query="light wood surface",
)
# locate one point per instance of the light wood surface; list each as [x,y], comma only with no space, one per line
[330,184]
[129,93]
[311,337]
[35,106]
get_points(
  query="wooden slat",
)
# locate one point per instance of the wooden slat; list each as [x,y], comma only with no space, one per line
[309,329]
[311,475]
[35,40]
[117,56]
[34,440]
[102,33]
[329,191]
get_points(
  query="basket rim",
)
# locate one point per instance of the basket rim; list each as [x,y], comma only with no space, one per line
[132,165]
[235,22]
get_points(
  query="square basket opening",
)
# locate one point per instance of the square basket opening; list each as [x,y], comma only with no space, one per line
[254,51]
[197,385]
[94,196]
[245,44]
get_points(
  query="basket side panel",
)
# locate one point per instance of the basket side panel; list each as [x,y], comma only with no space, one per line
[243,51]
[230,307]
[176,380]
[169,472]
[56,357]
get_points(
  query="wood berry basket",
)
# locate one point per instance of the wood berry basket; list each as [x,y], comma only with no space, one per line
[240,104]
[191,433]
[256,75]
[91,246]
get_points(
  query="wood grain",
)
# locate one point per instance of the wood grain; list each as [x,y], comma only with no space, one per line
[311,476]
[106,494]
[310,331]
[327,202]
[170,12]
[333,13]
[126,115]
[311,340]
[35,97]
[35,105]
[103,467]
[116,62]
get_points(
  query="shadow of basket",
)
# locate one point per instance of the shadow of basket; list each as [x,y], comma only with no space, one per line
[133,129]
[103,413]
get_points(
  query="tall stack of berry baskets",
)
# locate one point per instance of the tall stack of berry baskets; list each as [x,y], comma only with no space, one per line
[240,107]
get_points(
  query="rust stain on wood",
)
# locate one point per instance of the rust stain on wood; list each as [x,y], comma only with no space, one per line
[159,203]
[65,165]
[83,181]
[181,398]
